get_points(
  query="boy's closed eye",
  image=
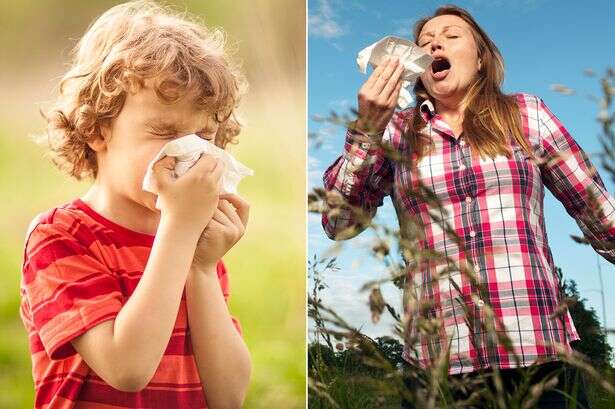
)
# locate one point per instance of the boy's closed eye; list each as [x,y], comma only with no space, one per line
[172,133]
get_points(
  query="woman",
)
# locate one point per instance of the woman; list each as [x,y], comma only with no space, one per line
[488,159]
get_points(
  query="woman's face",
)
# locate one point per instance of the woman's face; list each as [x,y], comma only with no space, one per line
[450,38]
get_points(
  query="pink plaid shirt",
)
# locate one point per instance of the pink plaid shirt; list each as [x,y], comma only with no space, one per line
[496,207]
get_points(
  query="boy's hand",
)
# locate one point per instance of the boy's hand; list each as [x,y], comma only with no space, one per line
[191,199]
[224,230]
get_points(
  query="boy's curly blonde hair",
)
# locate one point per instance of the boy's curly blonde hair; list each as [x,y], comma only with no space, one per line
[126,45]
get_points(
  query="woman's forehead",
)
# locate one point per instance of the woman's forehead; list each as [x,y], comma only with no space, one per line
[440,23]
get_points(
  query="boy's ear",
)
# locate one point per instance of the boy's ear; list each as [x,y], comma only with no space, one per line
[99,143]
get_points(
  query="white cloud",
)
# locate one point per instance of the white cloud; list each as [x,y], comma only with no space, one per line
[343,295]
[323,24]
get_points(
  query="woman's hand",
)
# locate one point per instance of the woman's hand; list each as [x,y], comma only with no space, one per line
[378,97]
[224,230]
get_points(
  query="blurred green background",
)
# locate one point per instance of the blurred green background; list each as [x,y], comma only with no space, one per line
[267,267]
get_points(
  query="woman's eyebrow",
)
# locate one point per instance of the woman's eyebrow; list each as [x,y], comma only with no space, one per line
[430,33]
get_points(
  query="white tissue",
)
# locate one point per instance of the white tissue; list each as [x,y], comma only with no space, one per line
[414,59]
[187,151]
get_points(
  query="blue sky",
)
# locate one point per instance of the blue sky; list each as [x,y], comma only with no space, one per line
[543,42]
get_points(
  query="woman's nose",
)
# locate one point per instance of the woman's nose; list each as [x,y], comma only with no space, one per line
[435,44]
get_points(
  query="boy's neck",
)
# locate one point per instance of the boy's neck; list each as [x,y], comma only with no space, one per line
[121,210]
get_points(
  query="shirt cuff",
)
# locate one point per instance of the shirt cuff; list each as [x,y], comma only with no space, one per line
[358,143]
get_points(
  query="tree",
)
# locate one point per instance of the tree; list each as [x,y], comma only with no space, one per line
[593,343]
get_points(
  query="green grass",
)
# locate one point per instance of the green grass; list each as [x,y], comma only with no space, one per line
[349,380]
[349,392]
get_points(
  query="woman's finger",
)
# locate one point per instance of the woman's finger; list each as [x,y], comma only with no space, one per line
[372,78]
[392,101]
[391,85]
[384,77]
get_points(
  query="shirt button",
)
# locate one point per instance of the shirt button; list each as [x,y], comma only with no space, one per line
[472,233]
[480,303]
[462,142]
[477,268]
[462,167]
[468,199]
[364,145]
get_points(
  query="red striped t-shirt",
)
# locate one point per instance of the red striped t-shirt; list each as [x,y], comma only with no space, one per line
[79,268]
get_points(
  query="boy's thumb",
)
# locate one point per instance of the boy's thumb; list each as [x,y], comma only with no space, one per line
[163,172]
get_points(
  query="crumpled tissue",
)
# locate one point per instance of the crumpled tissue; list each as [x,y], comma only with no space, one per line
[187,150]
[414,59]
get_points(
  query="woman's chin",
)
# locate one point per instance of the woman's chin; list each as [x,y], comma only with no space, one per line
[442,91]
[445,89]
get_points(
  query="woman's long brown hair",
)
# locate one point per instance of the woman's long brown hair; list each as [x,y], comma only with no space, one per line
[490,116]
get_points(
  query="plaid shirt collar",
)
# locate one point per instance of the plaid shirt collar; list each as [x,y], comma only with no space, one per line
[427,110]
[433,119]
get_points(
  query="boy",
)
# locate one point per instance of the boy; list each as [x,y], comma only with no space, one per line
[124,304]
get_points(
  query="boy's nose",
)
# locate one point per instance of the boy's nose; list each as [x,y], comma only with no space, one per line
[168,162]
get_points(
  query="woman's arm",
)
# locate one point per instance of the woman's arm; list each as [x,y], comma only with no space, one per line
[358,180]
[572,178]
[356,184]
[222,357]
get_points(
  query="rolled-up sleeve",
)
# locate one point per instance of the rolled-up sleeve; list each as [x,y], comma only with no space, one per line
[356,184]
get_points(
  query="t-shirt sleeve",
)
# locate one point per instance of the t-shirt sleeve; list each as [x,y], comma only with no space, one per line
[68,288]
[224,284]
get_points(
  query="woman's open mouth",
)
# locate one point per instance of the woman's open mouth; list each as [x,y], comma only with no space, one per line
[440,69]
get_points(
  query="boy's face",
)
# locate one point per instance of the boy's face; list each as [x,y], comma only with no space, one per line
[144,125]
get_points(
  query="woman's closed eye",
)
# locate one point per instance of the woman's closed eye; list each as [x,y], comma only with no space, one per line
[424,44]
